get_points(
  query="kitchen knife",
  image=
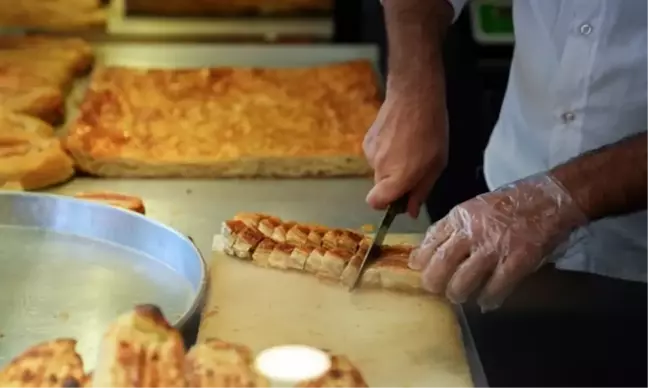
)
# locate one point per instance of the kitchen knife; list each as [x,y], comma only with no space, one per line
[396,208]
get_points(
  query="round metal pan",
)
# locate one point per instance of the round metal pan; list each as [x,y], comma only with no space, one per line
[69,267]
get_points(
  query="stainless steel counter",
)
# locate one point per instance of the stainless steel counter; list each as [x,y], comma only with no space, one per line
[197,207]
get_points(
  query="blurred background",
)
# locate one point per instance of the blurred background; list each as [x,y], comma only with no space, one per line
[478,50]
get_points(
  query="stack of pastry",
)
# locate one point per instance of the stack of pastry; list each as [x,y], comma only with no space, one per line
[332,254]
[54,14]
[141,349]
[36,73]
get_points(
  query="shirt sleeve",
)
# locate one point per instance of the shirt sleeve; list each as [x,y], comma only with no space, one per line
[458,6]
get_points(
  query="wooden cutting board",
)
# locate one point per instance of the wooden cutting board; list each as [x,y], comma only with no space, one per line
[395,339]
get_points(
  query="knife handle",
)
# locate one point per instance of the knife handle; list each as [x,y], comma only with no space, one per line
[399,206]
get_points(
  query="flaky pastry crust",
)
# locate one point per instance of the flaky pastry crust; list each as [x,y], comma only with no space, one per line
[328,253]
[216,363]
[50,364]
[35,73]
[63,15]
[128,202]
[140,349]
[30,155]
[226,122]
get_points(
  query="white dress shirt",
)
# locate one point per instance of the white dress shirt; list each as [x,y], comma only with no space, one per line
[577,82]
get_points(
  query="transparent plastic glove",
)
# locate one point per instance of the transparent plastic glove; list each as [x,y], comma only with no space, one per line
[496,239]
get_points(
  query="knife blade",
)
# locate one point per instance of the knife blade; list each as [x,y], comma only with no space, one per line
[397,207]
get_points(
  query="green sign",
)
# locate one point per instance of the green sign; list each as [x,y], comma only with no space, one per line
[496,19]
[492,21]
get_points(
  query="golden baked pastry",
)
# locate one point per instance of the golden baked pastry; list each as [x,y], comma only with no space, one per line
[35,72]
[341,374]
[140,349]
[123,201]
[327,253]
[74,51]
[23,91]
[227,7]
[11,186]
[217,363]
[54,14]
[30,155]
[226,122]
[49,364]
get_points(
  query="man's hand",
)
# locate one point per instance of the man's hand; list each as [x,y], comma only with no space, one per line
[407,148]
[496,239]
[407,144]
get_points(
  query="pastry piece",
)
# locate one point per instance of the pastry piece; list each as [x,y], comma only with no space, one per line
[341,374]
[11,186]
[327,263]
[389,271]
[30,155]
[53,71]
[140,349]
[226,122]
[74,51]
[240,239]
[11,122]
[49,364]
[228,7]
[123,201]
[61,15]
[302,234]
[216,363]
[284,245]
[26,92]
[262,252]
[35,72]
[334,254]
[299,256]
[250,219]
[343,239]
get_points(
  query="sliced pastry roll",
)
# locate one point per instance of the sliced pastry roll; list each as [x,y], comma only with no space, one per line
[389,271]
[327,253]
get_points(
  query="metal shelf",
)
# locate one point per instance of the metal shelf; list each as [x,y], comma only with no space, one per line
[119,23]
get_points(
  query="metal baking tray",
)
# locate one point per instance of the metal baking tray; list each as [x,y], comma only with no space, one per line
[121,23]
[69,267]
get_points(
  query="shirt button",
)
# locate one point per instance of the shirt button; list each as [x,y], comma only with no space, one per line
[585,29]
[567,117]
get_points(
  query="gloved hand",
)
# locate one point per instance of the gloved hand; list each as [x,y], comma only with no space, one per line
[407,148]
[496,239]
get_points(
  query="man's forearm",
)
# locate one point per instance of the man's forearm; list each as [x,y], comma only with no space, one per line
[609,181]
[415,32]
